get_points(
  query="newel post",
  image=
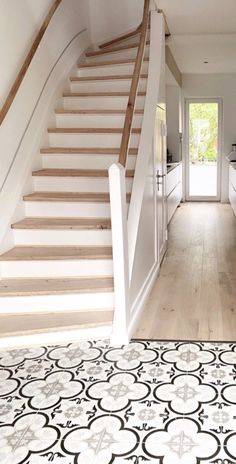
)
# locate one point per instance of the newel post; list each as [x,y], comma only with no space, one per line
[120,253]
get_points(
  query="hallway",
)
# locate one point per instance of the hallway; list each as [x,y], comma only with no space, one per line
[194,297]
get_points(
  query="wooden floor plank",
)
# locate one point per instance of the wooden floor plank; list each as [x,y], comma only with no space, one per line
[194,298]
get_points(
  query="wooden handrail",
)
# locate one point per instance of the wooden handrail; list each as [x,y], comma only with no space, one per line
[134,87]
[20,76]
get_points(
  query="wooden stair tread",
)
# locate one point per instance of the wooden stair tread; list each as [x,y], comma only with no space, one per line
[88,130]
[28,324]
[108,63]
[106,78]
[44,253]
[45,223]
[27,287]
[70,197]
[101,112]
[50,172]
[119,39]
[114,50]
[85,151]
[99,94]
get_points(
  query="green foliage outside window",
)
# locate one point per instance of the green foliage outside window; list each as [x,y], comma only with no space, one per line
[203,132]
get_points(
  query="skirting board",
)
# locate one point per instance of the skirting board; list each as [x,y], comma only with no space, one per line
[141,299]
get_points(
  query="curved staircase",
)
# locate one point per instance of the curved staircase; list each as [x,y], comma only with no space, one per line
[57,282]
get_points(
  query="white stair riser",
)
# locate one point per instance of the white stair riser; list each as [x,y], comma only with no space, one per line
[118,85]
[59,336]
[111,70]
[91,140]
[75,184]
[57,268]
[99,103]
[57,303]
[66,209]
[32,237]
[96,120]
[61,161]
[119,55]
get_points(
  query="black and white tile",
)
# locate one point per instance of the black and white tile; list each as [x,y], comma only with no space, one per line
[149,402]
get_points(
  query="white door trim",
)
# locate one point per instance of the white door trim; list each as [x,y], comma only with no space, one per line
[186,150]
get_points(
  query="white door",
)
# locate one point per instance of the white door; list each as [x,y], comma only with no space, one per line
[203,160]
[160,155]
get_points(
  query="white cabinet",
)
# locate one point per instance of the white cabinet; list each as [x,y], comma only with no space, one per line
[173,178]
[173,190]
[232,187]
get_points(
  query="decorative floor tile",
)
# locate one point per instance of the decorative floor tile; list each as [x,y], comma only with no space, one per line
[150,402]
[218,374]
[181,441]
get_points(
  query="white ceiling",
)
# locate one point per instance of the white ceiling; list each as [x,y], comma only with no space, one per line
[190,52]
[202,30]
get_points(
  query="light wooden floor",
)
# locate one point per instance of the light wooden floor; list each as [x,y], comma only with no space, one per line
[194,297]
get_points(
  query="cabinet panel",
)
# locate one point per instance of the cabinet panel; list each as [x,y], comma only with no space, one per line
[173,201]
[232,196]
[172,179]
[232,188]
[232,176]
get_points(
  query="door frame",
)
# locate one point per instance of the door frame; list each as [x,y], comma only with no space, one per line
[160,167]
[219,157]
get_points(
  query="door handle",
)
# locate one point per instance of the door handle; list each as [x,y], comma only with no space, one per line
[159,177]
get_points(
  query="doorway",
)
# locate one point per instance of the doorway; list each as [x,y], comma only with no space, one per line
[203,153]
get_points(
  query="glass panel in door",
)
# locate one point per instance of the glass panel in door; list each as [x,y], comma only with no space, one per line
[203,143]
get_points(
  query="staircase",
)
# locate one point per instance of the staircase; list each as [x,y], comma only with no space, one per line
[57,282]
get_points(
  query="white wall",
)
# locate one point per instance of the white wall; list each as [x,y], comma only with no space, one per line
[218,86]
[19,22]
[173,98]
[110,18]
[46,76]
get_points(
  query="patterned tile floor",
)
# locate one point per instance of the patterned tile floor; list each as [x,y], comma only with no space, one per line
[149,402]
